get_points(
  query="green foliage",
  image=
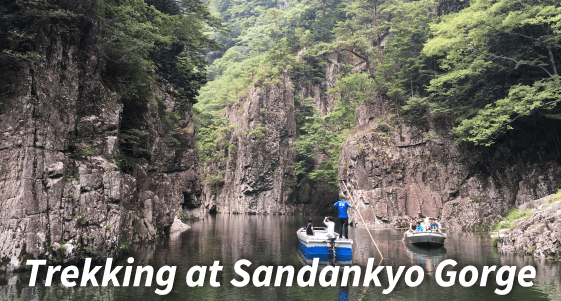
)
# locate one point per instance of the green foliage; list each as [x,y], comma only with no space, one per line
[483,78]
[84,150]
[172,141]
[406,70]
[131,136]
[81,217]
[142,39]
[87,252]
[215,180]
[21,25]
[416,108]
[257,133]
[362,32]
[324,135]
[495,118]
[382,127]
[495,241]
[213,138]
[151,41]
[260,35]
[512,215]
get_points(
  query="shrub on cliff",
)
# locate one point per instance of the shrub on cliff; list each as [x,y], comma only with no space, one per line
[512,215]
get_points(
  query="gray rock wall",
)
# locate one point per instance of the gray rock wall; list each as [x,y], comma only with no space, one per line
[539,234]
[62,195]
[256,174]
[405,170]
[318,197]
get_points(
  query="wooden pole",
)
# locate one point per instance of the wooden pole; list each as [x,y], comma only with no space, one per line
[365,225]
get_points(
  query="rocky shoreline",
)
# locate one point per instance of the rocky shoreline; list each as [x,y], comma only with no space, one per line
[538,234]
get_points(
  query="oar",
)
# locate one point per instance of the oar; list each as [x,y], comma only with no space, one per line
[365,225]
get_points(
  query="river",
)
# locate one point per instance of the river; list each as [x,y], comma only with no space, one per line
[271,240]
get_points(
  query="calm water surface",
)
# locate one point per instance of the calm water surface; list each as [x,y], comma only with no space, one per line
[271,240]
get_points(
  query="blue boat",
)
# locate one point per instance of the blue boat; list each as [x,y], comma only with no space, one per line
[338,251]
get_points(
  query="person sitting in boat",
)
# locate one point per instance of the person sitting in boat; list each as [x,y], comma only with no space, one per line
[328,221]
[434,226]
[419,226]
[310,227]
[426,224]
[412,228]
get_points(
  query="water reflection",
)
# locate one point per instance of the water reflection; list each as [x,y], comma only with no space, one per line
[271,240]
[426,257]
[343,293]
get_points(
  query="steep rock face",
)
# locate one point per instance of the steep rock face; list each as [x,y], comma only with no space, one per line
[317,90]
[318,197]
[539,234]
[61,193]
[256,174]
[415,170]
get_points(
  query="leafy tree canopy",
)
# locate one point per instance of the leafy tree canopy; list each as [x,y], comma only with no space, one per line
[141,38]
[499,61]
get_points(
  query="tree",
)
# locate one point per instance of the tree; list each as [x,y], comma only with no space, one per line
[324,135]
[406,70]
[273,14]
[141,38]
[363,32]
[499,61]
[21,25]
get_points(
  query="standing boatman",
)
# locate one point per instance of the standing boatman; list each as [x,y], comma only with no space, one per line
[342,206]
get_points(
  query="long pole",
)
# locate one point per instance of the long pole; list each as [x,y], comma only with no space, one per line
[365,225]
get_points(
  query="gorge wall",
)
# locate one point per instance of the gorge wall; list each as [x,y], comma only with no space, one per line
[240,180]
[62,193]
[396,170]
[257,170]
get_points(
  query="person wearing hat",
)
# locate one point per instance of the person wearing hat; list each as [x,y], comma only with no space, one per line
[342,206]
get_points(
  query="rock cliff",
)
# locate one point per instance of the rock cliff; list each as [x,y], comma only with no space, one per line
[397,169]
[64,137]
[317,197]
[256,172]
[539,234]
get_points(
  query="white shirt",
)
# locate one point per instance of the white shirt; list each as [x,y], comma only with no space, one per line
[330,228]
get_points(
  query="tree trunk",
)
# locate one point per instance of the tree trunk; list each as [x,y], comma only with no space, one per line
[376,32]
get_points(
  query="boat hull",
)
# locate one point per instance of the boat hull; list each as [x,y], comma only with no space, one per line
[319,246]
[428,239]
